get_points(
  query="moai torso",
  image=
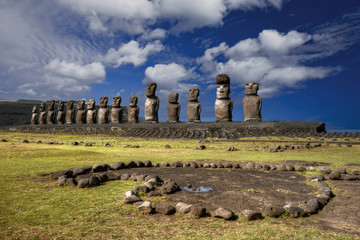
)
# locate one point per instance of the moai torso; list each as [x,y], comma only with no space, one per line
[173,108]
[61,113]
[70,112]
[223,104]
[151,104]
[194,106]
[133,110]
[51,112]
[34,116]
[91,112]
[252,103]
[42,113]
[103,113]
[116,110]
[81,113]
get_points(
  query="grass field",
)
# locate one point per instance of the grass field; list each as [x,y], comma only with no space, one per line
[32,208]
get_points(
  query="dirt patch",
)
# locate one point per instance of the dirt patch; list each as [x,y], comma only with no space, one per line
[342,214]
[353,164]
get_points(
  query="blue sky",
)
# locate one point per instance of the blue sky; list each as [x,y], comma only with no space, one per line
[304,53]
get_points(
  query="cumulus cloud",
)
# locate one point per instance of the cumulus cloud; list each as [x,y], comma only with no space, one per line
[275,60]
[131,53]
[157,33]
[136,16]
[170,77]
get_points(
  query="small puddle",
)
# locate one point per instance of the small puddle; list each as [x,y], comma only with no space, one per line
[198,189]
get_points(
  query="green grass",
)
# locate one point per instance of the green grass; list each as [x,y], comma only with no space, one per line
[34,208]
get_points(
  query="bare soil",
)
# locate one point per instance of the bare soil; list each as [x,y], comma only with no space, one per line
[240,189]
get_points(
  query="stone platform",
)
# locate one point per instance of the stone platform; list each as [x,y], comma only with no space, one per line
[228,130]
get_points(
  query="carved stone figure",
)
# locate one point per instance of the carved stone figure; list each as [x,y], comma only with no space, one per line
[223,104]
[34,116]
[151,104]
[103,113]
[81,113]
[61,113]
[173,108]
[91,112]
[116,110]
[252,103]
[133,110]
[194,106]
[42,113]
[51,112]
[70,112]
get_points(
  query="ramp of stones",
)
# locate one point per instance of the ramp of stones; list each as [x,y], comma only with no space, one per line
[236,189]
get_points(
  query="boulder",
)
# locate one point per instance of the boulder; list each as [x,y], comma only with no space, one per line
[324,170]
[213,165]
[121,165]
[301,169]
[236,165]
[183,207]
[251,215]
[177,164]
[71,182]
[131,164]
[94,181]
[266,167]
[228,165]
[139,164]
[132,199]
[334,175]
[113,176]
[147,163]
[142,188]
[220,165]
[97,168]
[294,211]
[349,177]
[146,207]
[140,178]
[164,164]
[290,168]
[206,165]
[250,165]
[273,211]
[198,211]
[224,213]
[341,170]
[130,193]
[168,187]
[282,168]
[125,176]
[114,166]
[311,206]
[193,165]
[78,171]
[165,209]
[83,183]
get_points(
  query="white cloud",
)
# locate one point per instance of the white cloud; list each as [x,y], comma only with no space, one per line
[131,53]
[135,16]
[157,33]
[275,60]
[170,77]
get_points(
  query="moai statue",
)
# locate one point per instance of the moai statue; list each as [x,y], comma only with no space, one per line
[70,112]
[81,113]
[91,112]
[34,116]
[61,113]
[50,118]
[151,104]
[223,104]
[116,110]
[133,110]
[103,113]
[252,103]
[42,113]
[173,108]
[194,106]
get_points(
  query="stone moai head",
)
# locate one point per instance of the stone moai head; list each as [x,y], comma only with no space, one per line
[133,101]
[223,86]
[91,104]
[81,105]
[51,105]
[194,94]
[103,102]
[70,104]
[251,88]
[34,109]
[42,107]
[61,106]
[173,97]
[150,89]
[116,101]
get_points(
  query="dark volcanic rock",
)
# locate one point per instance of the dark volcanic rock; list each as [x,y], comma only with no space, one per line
[165,209]
[139,164]
[132,199]
[131,164]
[273,211]
[251,215]
[198,211]
[334,175]
[147,163]
[83,183]
[168,187]
[224,213]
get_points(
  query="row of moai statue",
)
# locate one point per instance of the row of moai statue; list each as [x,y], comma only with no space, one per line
[252,104]
[90,116]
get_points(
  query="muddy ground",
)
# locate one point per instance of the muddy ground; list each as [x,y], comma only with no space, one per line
[239,189]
